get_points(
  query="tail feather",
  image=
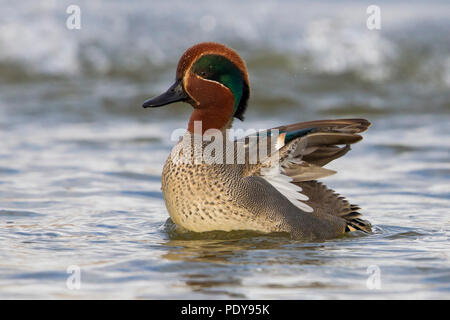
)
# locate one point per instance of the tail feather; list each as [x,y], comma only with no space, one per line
[326,201]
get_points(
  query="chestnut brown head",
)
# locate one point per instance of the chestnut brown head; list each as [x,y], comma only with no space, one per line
[209,75]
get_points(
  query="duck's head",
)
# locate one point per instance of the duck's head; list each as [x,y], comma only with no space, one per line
[213,79]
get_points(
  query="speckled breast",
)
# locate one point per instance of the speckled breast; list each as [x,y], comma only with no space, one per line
[199,197]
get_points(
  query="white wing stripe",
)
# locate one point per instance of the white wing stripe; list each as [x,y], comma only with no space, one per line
[288,193]
[283,184]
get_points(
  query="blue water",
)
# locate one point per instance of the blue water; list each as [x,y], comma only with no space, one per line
[81,161]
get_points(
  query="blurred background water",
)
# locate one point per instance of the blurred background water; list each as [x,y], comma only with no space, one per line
[80,160]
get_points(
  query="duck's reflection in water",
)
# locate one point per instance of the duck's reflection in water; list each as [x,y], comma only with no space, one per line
[227,263]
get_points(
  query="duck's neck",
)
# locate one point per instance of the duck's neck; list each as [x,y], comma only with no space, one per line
[212,117]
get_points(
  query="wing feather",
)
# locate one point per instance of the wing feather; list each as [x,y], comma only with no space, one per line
[302,150]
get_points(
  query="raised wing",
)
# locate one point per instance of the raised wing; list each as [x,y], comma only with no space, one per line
[301,151]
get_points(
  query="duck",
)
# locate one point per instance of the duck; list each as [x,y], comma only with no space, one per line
[280,191]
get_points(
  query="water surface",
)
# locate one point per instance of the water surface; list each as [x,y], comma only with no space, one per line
[81,161]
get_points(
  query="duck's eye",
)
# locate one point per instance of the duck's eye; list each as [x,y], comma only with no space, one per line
[203,74]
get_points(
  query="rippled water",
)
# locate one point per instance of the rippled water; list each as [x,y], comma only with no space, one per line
[80,161]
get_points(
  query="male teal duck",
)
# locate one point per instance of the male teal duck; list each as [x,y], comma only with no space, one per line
[278,193]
